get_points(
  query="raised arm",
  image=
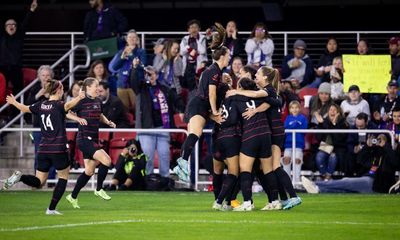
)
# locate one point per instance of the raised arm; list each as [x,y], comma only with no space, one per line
[74,101]
[23,108]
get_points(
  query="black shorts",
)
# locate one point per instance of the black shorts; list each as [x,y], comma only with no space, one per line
[197,106]
[59,161]
[88,148]
[278,133]
[257,147]
[226,148]
[278,140]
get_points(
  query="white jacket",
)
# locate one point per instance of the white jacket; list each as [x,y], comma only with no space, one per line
[201,50]
[255,50]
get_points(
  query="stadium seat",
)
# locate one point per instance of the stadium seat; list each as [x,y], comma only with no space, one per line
[29,74]
[178,122]
[307,92]
[131,119]
[104,140]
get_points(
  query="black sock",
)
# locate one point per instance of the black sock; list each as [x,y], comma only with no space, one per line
[30,180]
[58,192]
[229,182]
[271,182]
[282,191]
[101,176]
[188,146]
[236,189]
[246,185]
[260,176]
[83,179]
[284,178]
[217,184]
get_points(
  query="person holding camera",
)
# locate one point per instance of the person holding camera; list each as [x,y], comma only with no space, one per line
[378,161]
[130,169]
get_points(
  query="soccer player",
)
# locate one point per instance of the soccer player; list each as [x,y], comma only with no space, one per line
[87,140]
[53,145]
[204,101]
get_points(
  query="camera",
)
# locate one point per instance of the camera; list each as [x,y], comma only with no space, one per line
[132,149]
[374,141]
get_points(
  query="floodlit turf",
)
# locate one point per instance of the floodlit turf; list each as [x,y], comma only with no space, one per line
[181,215]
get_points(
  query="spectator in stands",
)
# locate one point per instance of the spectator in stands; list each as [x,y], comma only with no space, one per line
[170,67]
[193,49]
[112,107]
[320,104]
[130,170]
[382,110]
[155,109]
[73,91]
[354,104]
[103,21]
[298,66]
[363,47]
[99,71]
[325,63]
[355,142]
[295,120]
[259,47]
[158,50]
[11,46]
[379,163]
[234,72]
[332,145]
[232,41]
[122,64]
[395,55]
[336,80]
[38,93]
[287,94]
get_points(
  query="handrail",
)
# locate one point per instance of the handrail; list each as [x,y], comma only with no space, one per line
[72,50]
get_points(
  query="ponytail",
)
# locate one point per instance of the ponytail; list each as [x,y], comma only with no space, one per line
[52,86]
[87,82]
[218,39]
[272,75]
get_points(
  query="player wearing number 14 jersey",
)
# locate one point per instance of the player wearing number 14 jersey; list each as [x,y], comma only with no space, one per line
[53,145]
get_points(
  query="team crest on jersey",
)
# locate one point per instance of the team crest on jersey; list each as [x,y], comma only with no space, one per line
[95,107]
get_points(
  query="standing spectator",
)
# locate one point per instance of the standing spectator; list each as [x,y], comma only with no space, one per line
[332,145]
[193,49]
[259,47]
[103,21]
[325,62]
[122,64]
[382,111]
[395,55]
[232,41]
[354,105]
[99,71]
[295,120]
[155,109]
[11,46]
[298,66]
[158,50]
[112,107]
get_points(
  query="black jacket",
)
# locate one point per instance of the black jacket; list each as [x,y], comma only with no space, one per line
[115,111]
[338,139]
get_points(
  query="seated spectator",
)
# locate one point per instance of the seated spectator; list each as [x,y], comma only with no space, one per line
[355,142]
[320,104]
[121,64]
[232,41]
[325,62]
[382,110]
[234,72]
[259,47]
[332,145]
[298,66]
[295,120]
[130,169]
[395,56]
[354,104]
[112,107]
[155,109]
[379,163]
[99,71]
[336,76]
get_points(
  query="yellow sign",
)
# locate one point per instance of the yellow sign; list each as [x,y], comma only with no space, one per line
[370,73]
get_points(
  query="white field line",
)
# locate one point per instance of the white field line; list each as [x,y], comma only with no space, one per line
[73,225]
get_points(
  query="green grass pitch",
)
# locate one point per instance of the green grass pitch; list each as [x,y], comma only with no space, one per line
[187,215]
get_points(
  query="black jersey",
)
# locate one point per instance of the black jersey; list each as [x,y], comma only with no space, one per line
[256,125]
[51,116]
[89,109]
[210,76]
[231,126]
[274,114]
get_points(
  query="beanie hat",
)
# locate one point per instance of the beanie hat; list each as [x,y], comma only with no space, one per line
[324,88]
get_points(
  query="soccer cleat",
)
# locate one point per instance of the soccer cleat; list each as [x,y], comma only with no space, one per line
[13,179]
[217,206]
[102,194]
[235,203]
[244,207]
[309,185]
[184,165]
[227,207]
[275,205]
[53,212]
[181,175]
[292,202]
[395,188]
[73,201]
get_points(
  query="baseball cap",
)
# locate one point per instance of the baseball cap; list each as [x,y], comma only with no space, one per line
[393,83]
[354,88]
[159,41]
[394,40]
